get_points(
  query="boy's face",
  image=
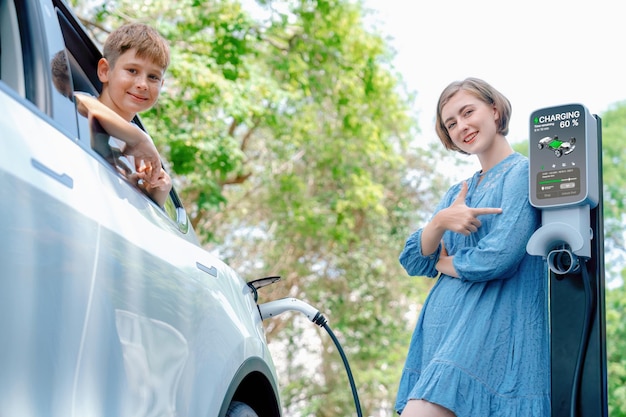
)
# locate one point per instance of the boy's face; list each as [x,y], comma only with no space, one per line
[132,85]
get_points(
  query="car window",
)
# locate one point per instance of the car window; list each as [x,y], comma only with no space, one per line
[28,43]
[11,64]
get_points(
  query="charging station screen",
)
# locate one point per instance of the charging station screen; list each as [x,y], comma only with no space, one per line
[558,156]
[558,183]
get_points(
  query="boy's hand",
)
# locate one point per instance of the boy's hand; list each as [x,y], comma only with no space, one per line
[147,160]
[157,190]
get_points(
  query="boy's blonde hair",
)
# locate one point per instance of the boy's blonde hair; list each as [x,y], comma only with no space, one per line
[147,42]
[484,92]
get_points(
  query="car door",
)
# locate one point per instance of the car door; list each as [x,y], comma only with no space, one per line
[48,246]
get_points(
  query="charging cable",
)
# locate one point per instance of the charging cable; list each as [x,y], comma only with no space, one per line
[274,308]
[562,261]
[584,340]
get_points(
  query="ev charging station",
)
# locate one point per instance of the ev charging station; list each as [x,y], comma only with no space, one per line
[565,176]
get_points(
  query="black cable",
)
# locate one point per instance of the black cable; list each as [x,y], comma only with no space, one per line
[584,340]
[321,321]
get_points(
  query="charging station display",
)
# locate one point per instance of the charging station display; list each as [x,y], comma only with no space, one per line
[562,143]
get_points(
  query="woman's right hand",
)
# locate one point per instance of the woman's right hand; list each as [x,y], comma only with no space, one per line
[460,218]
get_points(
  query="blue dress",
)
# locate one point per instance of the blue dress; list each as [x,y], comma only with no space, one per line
[481,344]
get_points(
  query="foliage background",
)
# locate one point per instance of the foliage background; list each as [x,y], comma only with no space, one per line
[289,136]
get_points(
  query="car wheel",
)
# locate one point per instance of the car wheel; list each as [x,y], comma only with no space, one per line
[558,153]
[540,145]
[239,409]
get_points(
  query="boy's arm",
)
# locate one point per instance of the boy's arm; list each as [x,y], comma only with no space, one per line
[138,143]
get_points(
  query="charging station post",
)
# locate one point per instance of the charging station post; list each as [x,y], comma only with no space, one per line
[566,185]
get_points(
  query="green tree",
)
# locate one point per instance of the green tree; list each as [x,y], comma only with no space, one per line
[613,153]
[289,135]
[616,350]
[331,203]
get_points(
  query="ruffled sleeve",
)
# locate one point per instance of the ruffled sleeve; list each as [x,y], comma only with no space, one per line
[414,262]
[412,259]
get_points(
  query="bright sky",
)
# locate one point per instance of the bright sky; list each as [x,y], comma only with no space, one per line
[538,53]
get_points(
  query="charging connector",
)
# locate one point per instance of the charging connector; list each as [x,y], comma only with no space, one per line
[562,260]
[276,307]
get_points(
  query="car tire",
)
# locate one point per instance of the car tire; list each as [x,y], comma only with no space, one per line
[239,409]
[558,153]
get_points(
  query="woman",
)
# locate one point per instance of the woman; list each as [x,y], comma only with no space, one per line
[480,347]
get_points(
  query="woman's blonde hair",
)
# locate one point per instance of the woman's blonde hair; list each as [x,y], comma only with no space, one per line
[484,92]
[146,41]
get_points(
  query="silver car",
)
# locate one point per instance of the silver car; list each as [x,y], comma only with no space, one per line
[108,304]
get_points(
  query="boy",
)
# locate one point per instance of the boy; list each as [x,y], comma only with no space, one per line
[135,58]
